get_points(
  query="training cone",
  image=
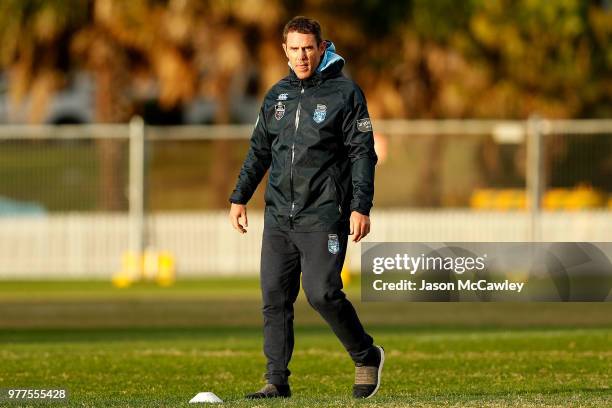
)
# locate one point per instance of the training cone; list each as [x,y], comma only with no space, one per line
[208,397]
[166,273]
[121,280]
[345,274]
[131,267]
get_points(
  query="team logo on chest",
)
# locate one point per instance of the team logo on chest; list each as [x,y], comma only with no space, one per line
[319,113]
[279,110]
[333,245]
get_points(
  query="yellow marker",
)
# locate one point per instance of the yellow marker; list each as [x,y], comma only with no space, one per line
[555,198]
[121,280]
[345,274]
[583,197]
[166,272]
[131,268]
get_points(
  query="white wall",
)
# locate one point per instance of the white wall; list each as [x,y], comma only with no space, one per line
[203,243]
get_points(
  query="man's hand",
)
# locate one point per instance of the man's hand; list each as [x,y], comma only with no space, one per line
[360,226]
[238,211]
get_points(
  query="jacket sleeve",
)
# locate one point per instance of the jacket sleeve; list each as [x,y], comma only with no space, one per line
[255,164]
[359,141]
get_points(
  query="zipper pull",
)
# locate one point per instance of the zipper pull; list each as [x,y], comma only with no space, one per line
[291,216]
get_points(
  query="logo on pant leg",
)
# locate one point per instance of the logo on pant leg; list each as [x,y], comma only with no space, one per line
[333,245]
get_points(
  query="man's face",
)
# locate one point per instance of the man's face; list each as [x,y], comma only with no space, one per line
[303,53]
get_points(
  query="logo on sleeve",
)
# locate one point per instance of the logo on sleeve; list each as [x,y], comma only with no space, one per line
[283,97]
[279,111]
[333,245]
[319,113]
[364,125]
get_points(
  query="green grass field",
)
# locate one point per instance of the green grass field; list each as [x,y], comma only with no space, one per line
[157,347]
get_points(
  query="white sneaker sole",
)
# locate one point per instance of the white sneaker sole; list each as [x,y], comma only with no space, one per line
[380,367]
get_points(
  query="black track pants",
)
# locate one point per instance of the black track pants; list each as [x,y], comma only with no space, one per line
[319,257]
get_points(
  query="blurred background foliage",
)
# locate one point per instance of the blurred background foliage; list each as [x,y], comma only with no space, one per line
[414,59]
[476,58]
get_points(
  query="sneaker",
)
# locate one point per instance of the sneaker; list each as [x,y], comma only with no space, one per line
[271,391]
[367,375]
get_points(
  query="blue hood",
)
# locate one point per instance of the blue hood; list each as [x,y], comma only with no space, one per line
[330,57]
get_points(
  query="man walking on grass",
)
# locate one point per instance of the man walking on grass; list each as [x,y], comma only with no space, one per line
[314,134]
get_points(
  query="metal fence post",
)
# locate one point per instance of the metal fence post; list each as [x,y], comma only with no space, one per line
[137,231]
[535,176]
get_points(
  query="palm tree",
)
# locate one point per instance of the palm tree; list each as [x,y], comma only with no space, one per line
[39,38]
[33,36]
[122,40]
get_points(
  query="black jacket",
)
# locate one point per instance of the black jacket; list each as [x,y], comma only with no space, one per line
[316,137]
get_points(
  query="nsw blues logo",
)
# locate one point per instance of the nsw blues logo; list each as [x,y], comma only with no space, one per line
[319,113]
[333,245]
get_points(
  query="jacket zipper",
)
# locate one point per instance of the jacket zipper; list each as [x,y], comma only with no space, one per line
[297,122]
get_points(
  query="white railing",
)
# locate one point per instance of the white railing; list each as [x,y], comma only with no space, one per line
[203,243]
[83,245]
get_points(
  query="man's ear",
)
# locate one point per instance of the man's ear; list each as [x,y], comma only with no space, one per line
[322,47]
[285,49]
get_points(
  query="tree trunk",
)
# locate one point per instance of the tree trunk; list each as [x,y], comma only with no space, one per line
[111,107]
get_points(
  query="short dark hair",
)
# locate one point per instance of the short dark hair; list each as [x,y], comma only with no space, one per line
[303,25]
